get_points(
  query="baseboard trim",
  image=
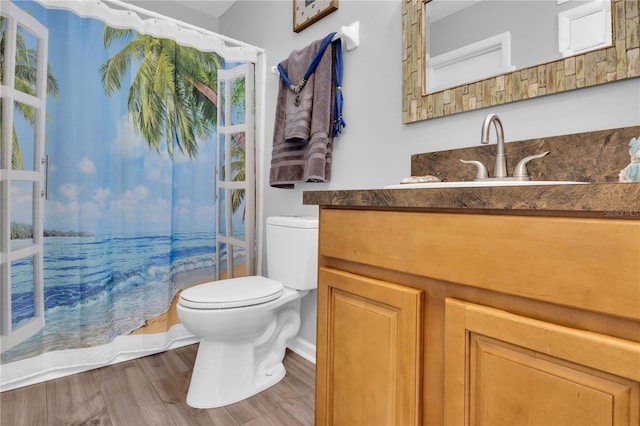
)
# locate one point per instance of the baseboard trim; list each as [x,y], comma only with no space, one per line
[304,348]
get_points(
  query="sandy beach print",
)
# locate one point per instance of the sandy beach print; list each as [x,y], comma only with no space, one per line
[101,287]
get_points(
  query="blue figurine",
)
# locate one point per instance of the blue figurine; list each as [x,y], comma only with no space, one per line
[631,173]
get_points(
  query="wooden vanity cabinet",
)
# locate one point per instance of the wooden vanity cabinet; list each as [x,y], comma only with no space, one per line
[479,319]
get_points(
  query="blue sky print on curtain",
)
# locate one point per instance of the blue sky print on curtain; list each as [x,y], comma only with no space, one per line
[130,218]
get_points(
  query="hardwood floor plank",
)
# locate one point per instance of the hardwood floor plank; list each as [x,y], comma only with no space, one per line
[301,376]
[188,354]
[295,397]
[252,408]
[27,407]
[163,365]
[152,391]
[279,417]
[76,400]
[170,376]
[182,414]
[301,368]
[296,391]
[131,399]
[173,393]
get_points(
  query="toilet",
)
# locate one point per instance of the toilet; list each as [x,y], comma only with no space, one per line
[244,323]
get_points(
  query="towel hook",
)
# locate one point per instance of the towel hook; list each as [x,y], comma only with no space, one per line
[349,34]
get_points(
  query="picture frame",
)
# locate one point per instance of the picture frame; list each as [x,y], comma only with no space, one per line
[307,12]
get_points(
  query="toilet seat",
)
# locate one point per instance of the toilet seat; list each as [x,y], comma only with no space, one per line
[231,293]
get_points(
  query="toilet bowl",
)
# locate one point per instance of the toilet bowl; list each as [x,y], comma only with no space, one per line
[244,323]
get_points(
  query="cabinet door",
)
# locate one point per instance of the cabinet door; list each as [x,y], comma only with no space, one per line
[505,369]
[369,351]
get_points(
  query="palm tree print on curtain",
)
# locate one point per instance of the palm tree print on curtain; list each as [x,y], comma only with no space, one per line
[172,95]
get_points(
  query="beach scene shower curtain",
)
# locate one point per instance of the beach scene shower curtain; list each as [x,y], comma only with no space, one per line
[126,177]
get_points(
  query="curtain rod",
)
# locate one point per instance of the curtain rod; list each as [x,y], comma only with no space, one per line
[180,24]
[119,14]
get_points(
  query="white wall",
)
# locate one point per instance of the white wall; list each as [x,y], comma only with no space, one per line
[191,12]
[375,148]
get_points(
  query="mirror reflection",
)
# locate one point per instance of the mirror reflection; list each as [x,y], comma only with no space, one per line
[470,40]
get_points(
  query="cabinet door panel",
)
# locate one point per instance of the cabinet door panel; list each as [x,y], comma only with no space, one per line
[369,369]
[502,368]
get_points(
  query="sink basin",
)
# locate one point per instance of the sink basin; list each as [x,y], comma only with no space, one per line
[472,184]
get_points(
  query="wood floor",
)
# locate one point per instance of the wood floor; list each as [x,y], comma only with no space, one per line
[152,391]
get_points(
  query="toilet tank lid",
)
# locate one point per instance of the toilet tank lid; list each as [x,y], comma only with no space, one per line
[294,221]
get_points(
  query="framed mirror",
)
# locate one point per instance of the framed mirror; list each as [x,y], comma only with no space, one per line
[573,67]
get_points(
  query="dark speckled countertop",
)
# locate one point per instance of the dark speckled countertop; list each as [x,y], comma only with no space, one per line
[579,157]
[615,200]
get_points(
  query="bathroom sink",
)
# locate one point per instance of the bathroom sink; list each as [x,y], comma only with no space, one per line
[482,183]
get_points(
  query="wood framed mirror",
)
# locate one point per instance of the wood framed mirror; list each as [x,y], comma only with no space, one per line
[619,61]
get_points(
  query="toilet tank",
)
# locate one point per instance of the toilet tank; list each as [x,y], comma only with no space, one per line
[292,251]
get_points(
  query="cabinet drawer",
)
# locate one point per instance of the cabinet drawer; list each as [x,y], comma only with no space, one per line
[591,264]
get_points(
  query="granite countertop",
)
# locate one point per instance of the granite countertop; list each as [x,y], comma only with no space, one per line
[615,200]
[596,157]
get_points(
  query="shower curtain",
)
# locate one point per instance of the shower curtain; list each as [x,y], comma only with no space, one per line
[129,178]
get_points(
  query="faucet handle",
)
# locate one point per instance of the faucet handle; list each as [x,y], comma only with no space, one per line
[520,172]
[481,170]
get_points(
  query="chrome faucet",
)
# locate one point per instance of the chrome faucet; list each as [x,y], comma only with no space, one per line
[500,170]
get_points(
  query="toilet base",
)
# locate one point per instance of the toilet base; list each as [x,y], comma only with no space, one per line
[241,349]
[221,377]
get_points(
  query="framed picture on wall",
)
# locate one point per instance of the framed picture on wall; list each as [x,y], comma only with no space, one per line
[306,12]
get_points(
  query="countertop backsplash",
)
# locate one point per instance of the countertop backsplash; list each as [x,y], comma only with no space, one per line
[595,157]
